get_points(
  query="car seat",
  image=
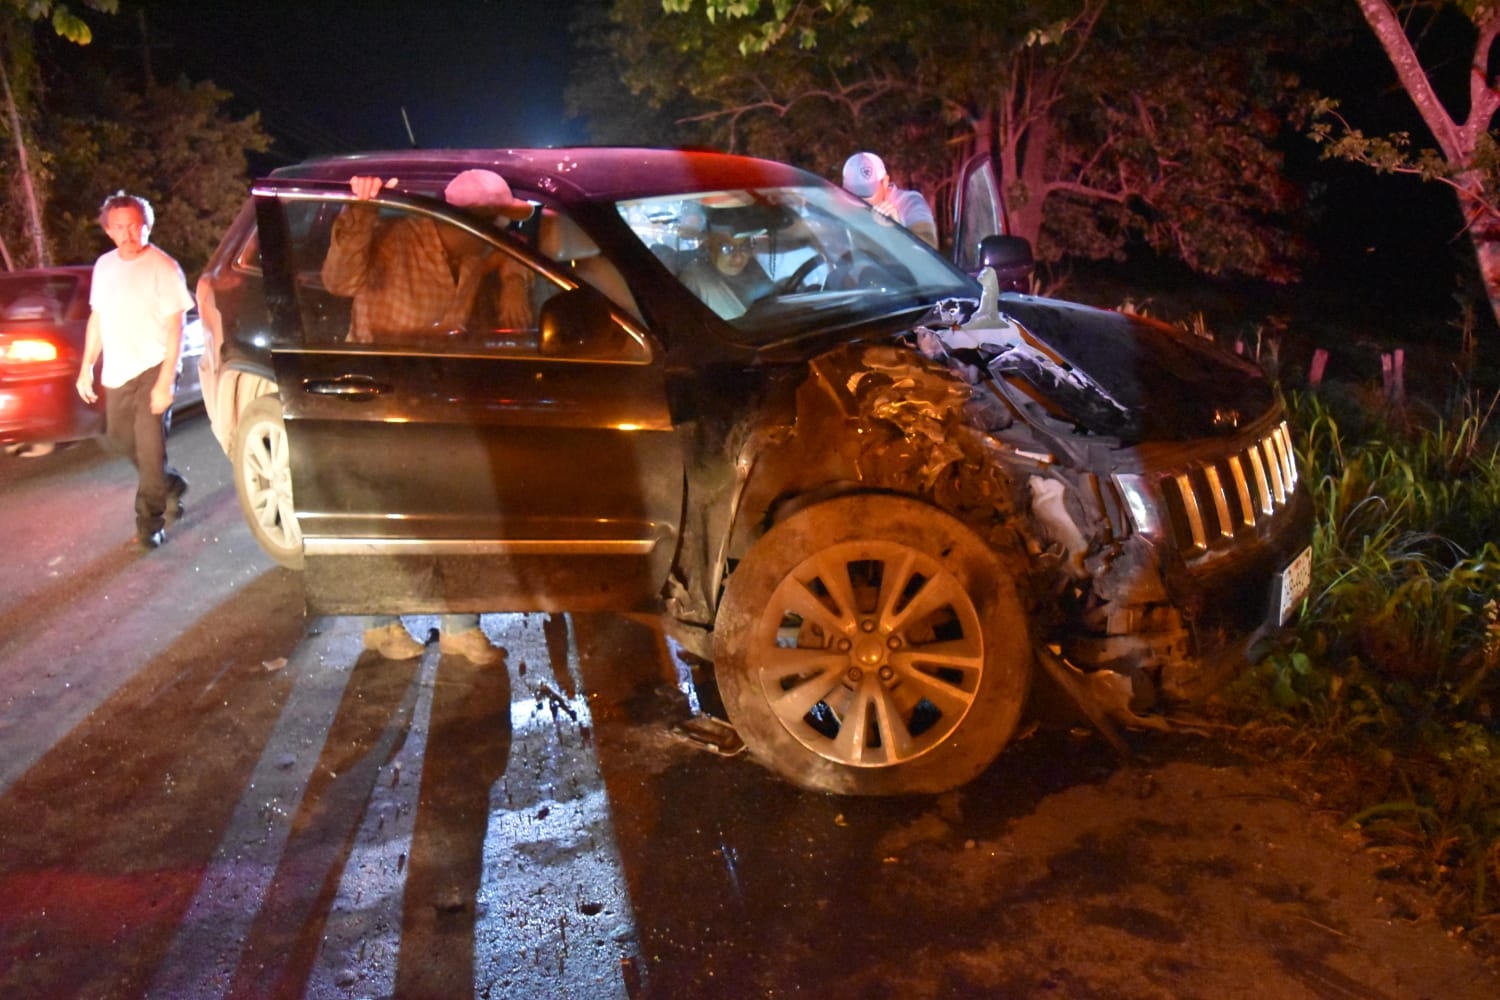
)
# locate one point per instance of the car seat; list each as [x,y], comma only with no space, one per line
[563,240]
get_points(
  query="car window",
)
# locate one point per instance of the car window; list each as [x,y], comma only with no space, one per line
[37,296]
[308,224]
[563,240]
[392,276]
[762,259]
[248,259]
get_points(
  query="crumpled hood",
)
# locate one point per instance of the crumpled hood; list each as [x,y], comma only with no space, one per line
[1113,374]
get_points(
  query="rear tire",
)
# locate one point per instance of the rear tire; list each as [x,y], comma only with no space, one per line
[263,479]
[873,645]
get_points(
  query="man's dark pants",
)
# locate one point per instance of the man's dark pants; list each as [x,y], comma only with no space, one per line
[141,436]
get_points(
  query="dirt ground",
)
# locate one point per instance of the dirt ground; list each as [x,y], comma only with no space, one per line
[1195,869]
[1199,871]
[1187,873]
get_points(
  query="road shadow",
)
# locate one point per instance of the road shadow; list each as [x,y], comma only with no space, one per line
[103,840]
[20,622]
[462,745]
[128,830]
[468,748]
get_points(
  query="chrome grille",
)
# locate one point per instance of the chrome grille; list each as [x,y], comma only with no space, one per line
[1211,502]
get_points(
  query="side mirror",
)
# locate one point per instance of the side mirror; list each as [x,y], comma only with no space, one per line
[578,323]
[1011,258]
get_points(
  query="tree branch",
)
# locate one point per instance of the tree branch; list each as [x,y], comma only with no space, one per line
[1381,17]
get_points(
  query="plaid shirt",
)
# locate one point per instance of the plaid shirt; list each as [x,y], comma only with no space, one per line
[399,275]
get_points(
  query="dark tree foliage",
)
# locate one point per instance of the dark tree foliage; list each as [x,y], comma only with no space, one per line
[1455,98]
[1161,125]
[94,126]
[172,144]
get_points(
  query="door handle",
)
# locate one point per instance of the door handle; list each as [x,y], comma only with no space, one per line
[348,386]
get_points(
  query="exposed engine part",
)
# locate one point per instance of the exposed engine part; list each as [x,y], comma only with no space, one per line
[1050,509]
[1103,696]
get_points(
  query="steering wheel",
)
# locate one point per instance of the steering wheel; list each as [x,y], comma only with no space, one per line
[793,281]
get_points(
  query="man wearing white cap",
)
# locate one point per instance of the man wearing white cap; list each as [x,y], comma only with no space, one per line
[410,275]
[865,176]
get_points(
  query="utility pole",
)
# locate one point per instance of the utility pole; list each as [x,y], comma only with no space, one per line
[148,75]
[28,184]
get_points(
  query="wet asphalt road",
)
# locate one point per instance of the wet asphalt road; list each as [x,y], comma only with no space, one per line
[206,794]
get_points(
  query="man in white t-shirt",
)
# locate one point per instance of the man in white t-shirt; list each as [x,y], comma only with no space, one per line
[865,176]
[138,299]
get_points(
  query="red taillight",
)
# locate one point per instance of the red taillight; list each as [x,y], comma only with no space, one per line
[28,350]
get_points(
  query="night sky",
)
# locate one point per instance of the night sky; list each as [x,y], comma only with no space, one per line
[335,77]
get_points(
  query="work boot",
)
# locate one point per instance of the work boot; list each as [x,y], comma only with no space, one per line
[393,642]
[472,644]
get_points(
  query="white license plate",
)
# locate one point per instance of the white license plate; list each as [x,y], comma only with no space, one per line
[1295,580]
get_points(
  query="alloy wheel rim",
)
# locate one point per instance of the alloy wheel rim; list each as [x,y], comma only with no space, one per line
[869,654]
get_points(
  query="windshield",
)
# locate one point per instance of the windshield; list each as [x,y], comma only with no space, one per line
[772,260]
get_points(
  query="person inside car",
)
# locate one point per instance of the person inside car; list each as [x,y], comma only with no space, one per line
[725,273]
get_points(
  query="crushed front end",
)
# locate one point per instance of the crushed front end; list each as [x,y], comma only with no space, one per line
[1139,483]
[1162,484]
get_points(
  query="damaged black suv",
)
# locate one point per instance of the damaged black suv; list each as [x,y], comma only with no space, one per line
[878,492]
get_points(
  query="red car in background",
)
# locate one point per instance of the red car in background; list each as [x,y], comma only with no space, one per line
[43,319]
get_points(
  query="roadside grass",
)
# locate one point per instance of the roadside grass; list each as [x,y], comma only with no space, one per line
[1382,702]
[1385,694]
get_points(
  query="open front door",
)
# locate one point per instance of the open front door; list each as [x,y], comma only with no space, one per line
[478,468]
[978,212]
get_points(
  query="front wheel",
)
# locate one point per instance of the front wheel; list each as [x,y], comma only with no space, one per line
[263,479]
[873,645]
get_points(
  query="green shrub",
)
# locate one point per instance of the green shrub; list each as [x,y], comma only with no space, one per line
[1405,553]
[1393,663]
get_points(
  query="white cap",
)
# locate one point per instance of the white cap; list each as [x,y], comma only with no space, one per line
[485,192]
[863,173]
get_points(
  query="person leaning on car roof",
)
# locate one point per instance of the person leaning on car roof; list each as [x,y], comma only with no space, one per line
[409,275]
[412,274]
[138,297]
[866,177]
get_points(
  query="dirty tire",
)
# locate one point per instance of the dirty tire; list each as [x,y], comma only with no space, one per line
[873,645]
[263,479]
